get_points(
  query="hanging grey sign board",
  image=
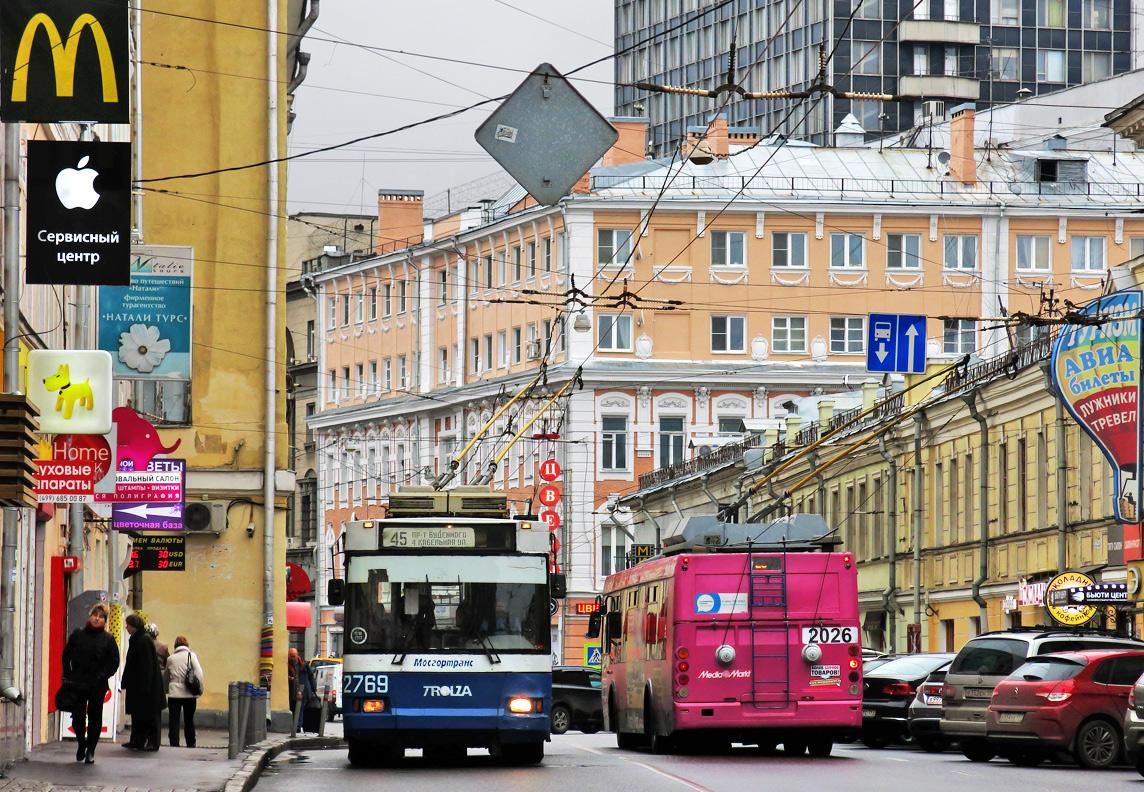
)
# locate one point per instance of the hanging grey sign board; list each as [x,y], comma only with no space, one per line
[546,135]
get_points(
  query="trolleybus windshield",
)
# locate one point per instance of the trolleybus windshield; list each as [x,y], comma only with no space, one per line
[435,605]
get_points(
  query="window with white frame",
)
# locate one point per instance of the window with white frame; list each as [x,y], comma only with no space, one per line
[474,356]
[1005,12]
[532,259]
[1050,66]
[1088,253]
[867,57]
[1005,63]
[1095,66]
[345,382]
[387,374]
[387,301]
[402,286]
[727,333]
[546,253]
[502,268]
[515,345]
[1097,14]
[671,438]
[614,332]
[546,338]
[488,282]
[332,390]
[613,246]
[1026,333]
[788,249]
[502,349]
[442,287]
[1033,253]
[903,251]
[788,333]
[345,310]
[442,364]
[474,275]
[402,373]
[488,364]
[332,302]
[960,251]
[516,264]
[847,251]
[374,382]
[359,380]
[1050,13]
[728,249]
[868,9]
[1135,246]
[372,303]
[960,336]
[614,442]
[847,334]
[921,59]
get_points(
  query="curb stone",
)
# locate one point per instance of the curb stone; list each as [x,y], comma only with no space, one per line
[261,754]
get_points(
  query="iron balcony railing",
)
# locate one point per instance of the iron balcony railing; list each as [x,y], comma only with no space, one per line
[697,464]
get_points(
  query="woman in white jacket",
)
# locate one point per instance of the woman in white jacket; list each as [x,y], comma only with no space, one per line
[179,697]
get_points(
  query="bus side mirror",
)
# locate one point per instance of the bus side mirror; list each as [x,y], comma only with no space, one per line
[558,585]
[336,591]
[593,626]
[615,626]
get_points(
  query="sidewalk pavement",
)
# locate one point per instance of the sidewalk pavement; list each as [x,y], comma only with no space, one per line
[205,768]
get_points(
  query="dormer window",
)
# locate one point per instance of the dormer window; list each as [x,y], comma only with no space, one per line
[1046,170]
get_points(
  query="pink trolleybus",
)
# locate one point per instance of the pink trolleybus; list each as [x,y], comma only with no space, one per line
[711,647]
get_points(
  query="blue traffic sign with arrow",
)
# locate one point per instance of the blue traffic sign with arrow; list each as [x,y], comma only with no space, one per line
[896,343]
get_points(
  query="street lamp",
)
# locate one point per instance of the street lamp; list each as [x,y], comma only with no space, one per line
[582,324]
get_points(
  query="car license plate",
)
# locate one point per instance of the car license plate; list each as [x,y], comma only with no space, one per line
[867,713]
[933,701]
[1010,717]
[978,693]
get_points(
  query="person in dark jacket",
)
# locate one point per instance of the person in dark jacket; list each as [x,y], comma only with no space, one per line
[91,657]
[309,685]
[143,681]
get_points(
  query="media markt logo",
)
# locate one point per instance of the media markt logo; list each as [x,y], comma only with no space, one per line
[432,691]
[730,673]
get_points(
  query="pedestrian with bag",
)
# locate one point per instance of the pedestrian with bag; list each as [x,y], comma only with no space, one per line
[309,687]
[91,657]
[143,681]
[161,650]
[293,676]
[182,695]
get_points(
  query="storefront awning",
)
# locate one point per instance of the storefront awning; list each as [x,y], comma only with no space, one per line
[298,616]
[297,582]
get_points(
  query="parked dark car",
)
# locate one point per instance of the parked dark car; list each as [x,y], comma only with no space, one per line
[887,692]
[576,702]
[925,714]
[1065,701]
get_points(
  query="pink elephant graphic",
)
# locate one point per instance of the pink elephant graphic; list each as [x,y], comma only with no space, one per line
[137,440]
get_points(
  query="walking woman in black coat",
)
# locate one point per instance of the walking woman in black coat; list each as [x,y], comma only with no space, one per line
[143,681]
[91,657]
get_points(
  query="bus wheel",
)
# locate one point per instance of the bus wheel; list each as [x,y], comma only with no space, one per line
[523,753]
[819,746]
[658,743]
[794,747]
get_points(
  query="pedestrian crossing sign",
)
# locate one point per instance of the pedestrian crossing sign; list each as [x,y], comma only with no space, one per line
[593,656]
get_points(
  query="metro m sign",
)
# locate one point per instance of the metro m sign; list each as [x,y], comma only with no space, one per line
[64,60]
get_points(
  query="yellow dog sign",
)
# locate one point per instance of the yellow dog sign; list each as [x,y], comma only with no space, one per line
[71,389]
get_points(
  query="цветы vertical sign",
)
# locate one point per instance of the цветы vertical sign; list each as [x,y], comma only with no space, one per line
[1096,368]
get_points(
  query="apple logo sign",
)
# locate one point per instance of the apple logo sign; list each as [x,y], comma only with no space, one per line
[75,187]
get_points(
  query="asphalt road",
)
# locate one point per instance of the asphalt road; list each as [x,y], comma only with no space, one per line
[591,763]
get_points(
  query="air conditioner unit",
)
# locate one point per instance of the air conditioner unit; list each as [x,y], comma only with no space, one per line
[205,517]
[532,350]
[934,110]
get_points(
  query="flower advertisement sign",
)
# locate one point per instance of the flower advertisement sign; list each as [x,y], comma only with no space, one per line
[147,326]
[1096,369]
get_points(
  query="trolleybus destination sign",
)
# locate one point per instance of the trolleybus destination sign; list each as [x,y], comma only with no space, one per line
[428,537]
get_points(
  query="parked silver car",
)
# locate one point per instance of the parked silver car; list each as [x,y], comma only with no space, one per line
[1134,727]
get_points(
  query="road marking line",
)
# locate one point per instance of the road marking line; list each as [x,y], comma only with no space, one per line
[656,770]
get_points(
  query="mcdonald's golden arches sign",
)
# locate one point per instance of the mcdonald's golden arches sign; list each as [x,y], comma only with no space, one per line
[64,60]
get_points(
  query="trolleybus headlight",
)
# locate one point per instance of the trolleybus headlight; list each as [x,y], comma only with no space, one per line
[373,705]
[524,706]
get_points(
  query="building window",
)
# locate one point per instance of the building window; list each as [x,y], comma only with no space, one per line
[372,303]
[359,383]
[614,333]
[1033,253]
[614,443]
[387,301]
[1005,63]
[1096,66]
[442,364]
[921,59]
[402,286]
[443,287]
[387,375]
[332,390]
[1027,333]
[488,363]
[1050,13]
[847,334]
[1005,12]
[311,341]
[515,345]
[1097,14]
[730,425]
[788,249]
[1088,254]
[868,9]
[345,382]
[788,333]
[502,268]
[516,264]
[727,333]
[1135,246]
[332,303]
[867,57]
[546,338]
[488,271]
[1050,66]
[532,259]
[546,253]
[502,348]
[960,251]
[670,441]
[474,356]
[402,373]
[728,249]
[960,336]
[474,275]
[613,246]
[869,114]
[345,310]
[846,250]
[903,251]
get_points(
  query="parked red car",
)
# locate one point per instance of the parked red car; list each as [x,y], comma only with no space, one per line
[1065,701]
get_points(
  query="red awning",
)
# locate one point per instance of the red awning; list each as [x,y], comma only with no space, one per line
[297,582]
[298,616]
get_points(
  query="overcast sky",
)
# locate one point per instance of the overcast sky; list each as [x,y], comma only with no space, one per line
[350,91]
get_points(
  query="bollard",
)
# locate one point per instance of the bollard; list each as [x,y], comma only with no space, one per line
[297,714]
[263,695]
[243,715]
[233,747]
[323,712]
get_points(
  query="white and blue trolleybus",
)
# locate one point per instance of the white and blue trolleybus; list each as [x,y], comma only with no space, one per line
[447,629]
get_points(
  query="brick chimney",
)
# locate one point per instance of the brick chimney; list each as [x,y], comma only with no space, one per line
[717,136]
[400,219]
[632,143]
[962,165]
